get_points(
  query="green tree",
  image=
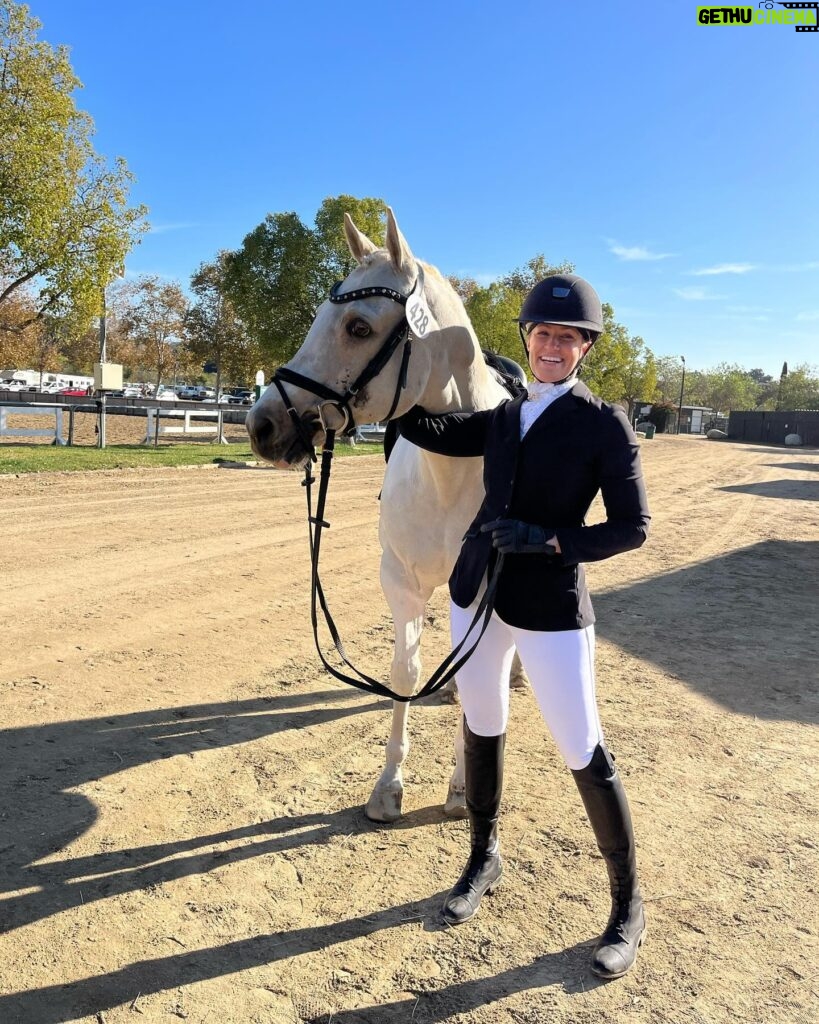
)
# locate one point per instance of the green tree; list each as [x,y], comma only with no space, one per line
[213,330]
[728,387]
[639,376]
[65,225]
[800,388]
[369,215]
[153,320]
[523,279]
[274,283]
[285,269]
[17,335]
[669,377]
[492,311]
[606,367]
[465,287]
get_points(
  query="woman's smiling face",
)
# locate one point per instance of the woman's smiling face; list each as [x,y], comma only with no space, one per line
[554,351]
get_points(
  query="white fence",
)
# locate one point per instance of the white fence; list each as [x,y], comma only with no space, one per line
[55,432]
[156,429]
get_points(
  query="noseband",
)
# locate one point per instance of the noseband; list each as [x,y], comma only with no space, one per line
[341,401]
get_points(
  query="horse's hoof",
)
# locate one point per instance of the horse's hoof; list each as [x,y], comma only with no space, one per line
[384,805]
[448,694]
[455,806]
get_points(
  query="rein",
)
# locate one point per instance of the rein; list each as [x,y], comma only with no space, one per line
[317,523]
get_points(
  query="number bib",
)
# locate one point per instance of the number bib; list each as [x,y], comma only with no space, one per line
[418,312]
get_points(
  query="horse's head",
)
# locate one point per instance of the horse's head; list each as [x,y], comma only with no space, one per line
[364,358]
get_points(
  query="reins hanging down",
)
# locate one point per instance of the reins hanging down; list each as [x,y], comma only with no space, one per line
[448,667]
[317,523]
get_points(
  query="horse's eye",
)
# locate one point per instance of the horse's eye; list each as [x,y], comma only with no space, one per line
[359,329]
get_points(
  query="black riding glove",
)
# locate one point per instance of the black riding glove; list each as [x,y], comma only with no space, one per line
[513,537]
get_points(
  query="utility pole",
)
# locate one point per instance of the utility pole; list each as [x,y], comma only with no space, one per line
[682,388]
[103,360]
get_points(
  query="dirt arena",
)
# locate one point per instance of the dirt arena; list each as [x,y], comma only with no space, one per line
[181,788]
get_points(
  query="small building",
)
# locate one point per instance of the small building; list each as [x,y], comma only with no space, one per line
[695,419]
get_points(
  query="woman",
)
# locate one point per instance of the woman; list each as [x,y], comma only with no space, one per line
[547,453]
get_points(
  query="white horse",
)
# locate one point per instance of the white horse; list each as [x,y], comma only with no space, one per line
[427,500]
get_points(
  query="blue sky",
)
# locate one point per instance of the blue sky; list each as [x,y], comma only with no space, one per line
[675,164]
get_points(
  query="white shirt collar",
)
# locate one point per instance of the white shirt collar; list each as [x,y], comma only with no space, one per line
[538,389]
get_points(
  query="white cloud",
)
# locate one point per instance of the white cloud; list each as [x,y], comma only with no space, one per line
[635,252]
[808,315]
[750,309]
[696,295]
[161,229]
[724,268]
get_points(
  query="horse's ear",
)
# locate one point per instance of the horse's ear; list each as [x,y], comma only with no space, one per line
[357,242]
[400,253]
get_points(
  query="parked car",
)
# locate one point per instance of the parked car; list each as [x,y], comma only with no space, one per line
[132,391]
[74,392]
[165,393]
[241,396]
[190,392]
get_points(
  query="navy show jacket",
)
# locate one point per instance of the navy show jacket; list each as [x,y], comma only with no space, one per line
[579,445]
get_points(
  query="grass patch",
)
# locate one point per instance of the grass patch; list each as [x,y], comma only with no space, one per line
[31,458]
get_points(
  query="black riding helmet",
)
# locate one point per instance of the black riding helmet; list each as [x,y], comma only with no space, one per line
[562,299]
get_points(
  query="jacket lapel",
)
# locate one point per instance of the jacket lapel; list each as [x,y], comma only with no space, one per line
[558,409]
[511,426]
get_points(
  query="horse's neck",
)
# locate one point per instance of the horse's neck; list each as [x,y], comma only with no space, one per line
[459,378]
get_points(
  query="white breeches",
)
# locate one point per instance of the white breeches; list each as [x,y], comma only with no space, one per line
[560,667]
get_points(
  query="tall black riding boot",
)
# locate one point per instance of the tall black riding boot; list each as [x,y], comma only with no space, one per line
[605,801]
[484,783]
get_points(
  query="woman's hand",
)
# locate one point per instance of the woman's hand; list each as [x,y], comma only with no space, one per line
[514,537]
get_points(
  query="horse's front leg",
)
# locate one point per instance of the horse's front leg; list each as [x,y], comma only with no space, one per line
[407,607]
[455,806]
[517,678]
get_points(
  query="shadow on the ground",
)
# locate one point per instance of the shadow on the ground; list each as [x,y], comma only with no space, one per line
[798,490]
[740,628]
[566,968]
[43,765]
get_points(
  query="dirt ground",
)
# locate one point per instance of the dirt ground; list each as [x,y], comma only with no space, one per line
[181,788]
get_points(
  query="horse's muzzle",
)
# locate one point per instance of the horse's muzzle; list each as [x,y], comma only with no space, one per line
[275,442]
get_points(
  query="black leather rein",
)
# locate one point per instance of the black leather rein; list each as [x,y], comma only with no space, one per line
[317,523]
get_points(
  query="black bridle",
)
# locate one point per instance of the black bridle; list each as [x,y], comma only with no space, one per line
[402,332]
[341,401]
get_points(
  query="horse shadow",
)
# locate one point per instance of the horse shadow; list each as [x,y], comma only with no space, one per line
[800,490]
[798,467]
[41,814]
[747,638]
[565,969]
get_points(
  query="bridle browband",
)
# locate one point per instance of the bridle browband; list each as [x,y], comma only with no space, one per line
[316,523]
[401,332]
